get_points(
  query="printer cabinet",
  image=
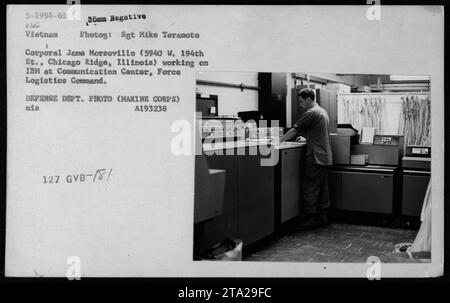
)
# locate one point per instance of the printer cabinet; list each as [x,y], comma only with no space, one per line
[415,185]
[256,199]
[361,190]
[290,181]
[335,188]
[367,192]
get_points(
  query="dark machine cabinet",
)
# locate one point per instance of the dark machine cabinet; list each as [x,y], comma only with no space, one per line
[362,189]
[380,154]
[296,110]
[367,192]
[415,185]
[291,176]
[416,176]
[335,188]
[272,97]
[256,199]
[248,202]
[225,225]
[327,99]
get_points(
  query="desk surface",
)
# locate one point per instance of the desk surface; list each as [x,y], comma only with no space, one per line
[242,144]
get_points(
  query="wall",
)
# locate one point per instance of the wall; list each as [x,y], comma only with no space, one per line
[231,100]
[290,86]
[352,80]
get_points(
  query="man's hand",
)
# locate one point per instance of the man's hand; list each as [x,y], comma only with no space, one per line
[301,139]
[290,134]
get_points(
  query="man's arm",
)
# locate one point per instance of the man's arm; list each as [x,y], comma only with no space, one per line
[305,120]
[289,135]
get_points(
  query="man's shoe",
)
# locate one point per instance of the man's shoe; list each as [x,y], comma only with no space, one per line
[307,222]
[322,218]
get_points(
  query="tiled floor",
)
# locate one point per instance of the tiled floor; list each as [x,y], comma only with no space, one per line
[337,243]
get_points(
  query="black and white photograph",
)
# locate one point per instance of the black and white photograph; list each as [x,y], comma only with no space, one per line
[224,141]
[350,176]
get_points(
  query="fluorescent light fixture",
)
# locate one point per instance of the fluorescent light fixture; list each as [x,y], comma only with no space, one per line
[409,78]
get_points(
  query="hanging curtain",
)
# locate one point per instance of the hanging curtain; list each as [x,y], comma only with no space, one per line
[365,111]
[370,110]
[415,120]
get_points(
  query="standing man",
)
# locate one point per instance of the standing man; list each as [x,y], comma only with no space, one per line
[313,125]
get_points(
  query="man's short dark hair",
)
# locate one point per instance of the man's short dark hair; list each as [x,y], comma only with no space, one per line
[307,92]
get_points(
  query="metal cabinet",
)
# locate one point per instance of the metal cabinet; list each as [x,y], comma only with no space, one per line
[272,97]
[256,199]
[327,99]
[290,174]
[415,185]
[335,188]
[248,207]
[367,192]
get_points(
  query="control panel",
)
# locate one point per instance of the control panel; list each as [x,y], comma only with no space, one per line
[418,151]
[386,140]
